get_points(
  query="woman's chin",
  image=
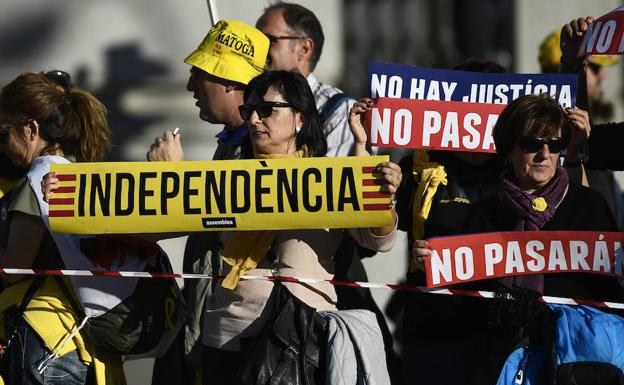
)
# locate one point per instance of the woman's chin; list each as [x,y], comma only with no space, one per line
[537,183]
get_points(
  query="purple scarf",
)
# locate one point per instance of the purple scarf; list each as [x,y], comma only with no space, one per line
[533,212]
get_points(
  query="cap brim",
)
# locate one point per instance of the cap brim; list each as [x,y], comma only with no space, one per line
[603,60]
[235,70]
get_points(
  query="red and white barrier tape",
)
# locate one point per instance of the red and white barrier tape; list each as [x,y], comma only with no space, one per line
[369,285]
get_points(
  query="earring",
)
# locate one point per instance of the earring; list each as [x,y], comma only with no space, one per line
[297,129]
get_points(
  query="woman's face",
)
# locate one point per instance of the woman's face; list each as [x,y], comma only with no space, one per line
[534,169]
[19,143]
[275,133]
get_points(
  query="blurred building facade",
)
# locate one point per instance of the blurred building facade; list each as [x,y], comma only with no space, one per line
[130,54]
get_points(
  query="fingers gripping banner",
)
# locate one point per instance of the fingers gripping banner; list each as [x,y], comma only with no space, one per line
[493,255]
[434,125]
[272,194]
[604,35]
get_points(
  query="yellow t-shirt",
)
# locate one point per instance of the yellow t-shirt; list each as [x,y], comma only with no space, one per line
[49,314]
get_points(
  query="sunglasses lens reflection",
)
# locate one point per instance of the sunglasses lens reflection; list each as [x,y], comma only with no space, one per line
[264,110]
[535,144]
[60,77]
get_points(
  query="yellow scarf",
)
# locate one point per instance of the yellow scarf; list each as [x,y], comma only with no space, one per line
[7,184]
[428,175]
[48,314]
[245,249]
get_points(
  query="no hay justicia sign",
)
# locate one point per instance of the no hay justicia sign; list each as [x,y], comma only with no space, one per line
[428,108]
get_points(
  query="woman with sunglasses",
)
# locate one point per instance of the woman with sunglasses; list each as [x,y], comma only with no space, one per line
[283,123]
[44,119]
[534,193]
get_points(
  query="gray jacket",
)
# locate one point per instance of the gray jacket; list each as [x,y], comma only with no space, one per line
[355,349]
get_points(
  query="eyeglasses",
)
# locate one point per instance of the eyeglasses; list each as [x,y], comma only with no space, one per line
[61,78]
[274,38]
[264,109]
[529,145]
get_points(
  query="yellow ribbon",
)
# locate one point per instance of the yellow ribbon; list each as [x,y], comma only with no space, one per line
[6,185]
[170,309]
[245,249]
[428,175]
[539,204]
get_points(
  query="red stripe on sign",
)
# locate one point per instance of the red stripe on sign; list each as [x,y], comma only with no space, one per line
[371,182]
[61,201]
[61,213]
[66,177]
[375,194]
[368,170]
[66,189]
[376,207]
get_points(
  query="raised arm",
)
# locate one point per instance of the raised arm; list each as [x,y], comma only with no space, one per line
[357,122]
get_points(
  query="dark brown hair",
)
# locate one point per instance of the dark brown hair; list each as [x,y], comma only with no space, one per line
[68,117]
[294,88]
[530,116]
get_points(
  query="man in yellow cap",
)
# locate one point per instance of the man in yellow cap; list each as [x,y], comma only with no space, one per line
[549,59]
[230,56]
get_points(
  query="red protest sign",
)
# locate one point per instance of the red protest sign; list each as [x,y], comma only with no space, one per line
[604,36]
[431,124]
[493,255]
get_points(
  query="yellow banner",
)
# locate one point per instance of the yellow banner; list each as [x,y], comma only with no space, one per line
[272,194]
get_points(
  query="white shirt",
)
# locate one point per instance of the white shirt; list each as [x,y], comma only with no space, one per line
[337,132]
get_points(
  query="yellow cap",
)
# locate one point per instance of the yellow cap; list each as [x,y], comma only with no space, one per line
[603,60]
[232,50]
[550,53]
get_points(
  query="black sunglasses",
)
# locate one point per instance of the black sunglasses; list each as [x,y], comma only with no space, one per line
[274,38]
[529,145]
[61,78]
[264,109]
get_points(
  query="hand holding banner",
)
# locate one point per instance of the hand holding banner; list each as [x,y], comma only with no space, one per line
[604,35]
[271,194]
[420,83]
[493,255]
[434,125]
[436,109]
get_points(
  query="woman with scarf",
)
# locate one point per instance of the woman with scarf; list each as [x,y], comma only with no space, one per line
[283,123]
[534,193]
[43,117]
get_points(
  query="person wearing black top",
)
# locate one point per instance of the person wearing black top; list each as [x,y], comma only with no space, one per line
[468,339]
